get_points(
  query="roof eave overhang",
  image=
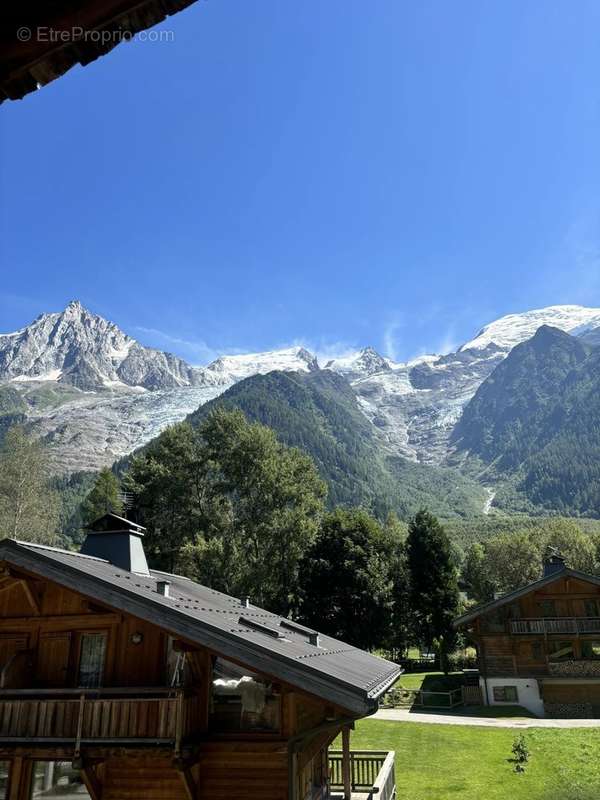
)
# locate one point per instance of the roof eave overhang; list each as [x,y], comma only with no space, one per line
[359,702]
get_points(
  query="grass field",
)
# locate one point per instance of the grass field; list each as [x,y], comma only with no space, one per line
[448,762]
[431,681]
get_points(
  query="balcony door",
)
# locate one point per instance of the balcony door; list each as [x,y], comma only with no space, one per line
[53,659]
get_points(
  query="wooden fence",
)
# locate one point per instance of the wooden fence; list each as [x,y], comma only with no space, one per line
[371,771]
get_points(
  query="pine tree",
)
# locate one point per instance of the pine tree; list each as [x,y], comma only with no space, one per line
[103,498]
[29,509]
[434,594]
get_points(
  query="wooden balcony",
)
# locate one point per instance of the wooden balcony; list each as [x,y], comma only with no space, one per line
[372,774]
[553,625]
[85,716]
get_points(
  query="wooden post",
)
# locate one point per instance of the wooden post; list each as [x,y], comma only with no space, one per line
[346,766]
[77,753]
[178,723]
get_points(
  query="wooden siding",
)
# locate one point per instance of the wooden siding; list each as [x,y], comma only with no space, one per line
[243,770]
[147,777]
[515,640]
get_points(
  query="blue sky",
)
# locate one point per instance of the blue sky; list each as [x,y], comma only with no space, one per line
[332,172]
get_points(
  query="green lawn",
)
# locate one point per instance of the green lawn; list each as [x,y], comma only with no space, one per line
[451,762]
[430,681]
[438,682]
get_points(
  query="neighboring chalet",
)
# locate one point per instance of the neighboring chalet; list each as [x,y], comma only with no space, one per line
[539,646]
[119,682]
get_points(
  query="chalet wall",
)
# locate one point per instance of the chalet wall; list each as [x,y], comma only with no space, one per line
[528,693]
[147,777]
[41,629]
[242,770]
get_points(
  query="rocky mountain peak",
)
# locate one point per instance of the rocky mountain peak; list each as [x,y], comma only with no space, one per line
[80,348]
[362,363]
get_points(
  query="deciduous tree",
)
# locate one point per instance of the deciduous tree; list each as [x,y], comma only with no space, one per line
[346,581]
[29,509]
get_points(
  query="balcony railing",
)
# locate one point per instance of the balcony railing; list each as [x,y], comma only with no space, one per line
[81,716]
[371,773]
[556,625]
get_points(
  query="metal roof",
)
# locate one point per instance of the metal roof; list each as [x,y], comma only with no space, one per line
[509,597]
[331,669]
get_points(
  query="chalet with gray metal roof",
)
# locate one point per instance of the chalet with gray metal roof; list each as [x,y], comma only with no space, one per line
[539,645]
[98,652]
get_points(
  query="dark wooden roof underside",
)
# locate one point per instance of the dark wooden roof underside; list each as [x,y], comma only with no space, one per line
[25,65]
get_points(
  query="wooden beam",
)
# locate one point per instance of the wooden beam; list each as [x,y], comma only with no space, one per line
[31,598]
[189,784]
[90,779]
[346,766]
[62,622]
[8,583]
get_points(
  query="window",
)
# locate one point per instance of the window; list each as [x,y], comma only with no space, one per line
[241,700]
[177,666]
[547,608]
[530,651]
[537,651]
[590,649]
[4,773]
[494,621]
[561,651]
[591,608]
[506,694]
[52,779]
[91,660]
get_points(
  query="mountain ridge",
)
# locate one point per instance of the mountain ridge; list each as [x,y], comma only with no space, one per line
[94,393]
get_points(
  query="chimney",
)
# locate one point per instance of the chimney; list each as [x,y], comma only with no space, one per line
[162,587]
[313,638]
[554,562]
[245,601]
[118,541]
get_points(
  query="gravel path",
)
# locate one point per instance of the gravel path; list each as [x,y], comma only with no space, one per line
[402,715]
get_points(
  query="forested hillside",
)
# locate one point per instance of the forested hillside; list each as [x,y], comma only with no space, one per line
[318,412]
[534,426]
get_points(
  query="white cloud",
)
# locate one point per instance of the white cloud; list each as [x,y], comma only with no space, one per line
[448,342]
[186,348]
[390,336]
[323,350]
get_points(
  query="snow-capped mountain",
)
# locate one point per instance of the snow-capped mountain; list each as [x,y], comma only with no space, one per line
[109,394]
[237,367]
[513,329]
[361,364]
[81,349]
[416,405]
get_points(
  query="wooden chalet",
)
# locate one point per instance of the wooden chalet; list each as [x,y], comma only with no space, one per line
[120,682]
[539,646]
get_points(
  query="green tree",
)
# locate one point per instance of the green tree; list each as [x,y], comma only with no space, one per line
[29,509]
[346,582]
[577,547]
[434,595]
[229,504]
[513,560]
[103,498]
[476,577]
